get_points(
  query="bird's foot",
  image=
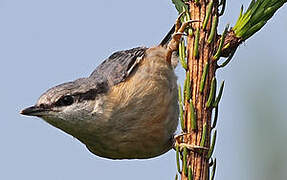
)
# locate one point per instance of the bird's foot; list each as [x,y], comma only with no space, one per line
[178,33]
[179,143]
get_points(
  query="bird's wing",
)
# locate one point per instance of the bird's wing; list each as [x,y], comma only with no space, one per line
[119,65]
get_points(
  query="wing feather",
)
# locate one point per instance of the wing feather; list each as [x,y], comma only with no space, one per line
[119,65]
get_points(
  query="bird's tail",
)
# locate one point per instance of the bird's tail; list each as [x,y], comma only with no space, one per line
[167,37]
[173,57]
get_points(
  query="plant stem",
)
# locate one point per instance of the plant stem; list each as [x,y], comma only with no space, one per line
[198,160]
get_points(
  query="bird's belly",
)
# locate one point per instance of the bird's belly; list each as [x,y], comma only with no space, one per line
[143,137]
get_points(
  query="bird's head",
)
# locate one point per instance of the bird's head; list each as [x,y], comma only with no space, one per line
[70,105]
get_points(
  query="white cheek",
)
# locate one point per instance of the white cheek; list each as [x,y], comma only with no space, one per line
[77,109]
[98,106]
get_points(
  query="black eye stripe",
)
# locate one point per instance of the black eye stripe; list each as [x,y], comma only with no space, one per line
[65,101]
[82,96]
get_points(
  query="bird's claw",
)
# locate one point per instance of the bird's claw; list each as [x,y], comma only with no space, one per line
[191,147]
[176,37]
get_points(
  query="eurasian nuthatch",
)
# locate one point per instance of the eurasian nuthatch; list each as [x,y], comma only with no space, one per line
[127,108]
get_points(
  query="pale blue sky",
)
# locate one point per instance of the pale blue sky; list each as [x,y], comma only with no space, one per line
[44,43]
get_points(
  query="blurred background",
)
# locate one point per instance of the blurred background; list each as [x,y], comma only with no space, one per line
[45,43]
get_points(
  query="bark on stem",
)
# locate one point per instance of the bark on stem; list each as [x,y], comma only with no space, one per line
[197,159]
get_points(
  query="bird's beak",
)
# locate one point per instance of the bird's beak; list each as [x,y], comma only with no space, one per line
[33,111]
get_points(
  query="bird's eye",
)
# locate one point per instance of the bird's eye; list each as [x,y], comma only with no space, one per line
[42,106]
[65,101]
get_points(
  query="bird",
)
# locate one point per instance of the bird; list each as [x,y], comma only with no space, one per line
[127,108]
